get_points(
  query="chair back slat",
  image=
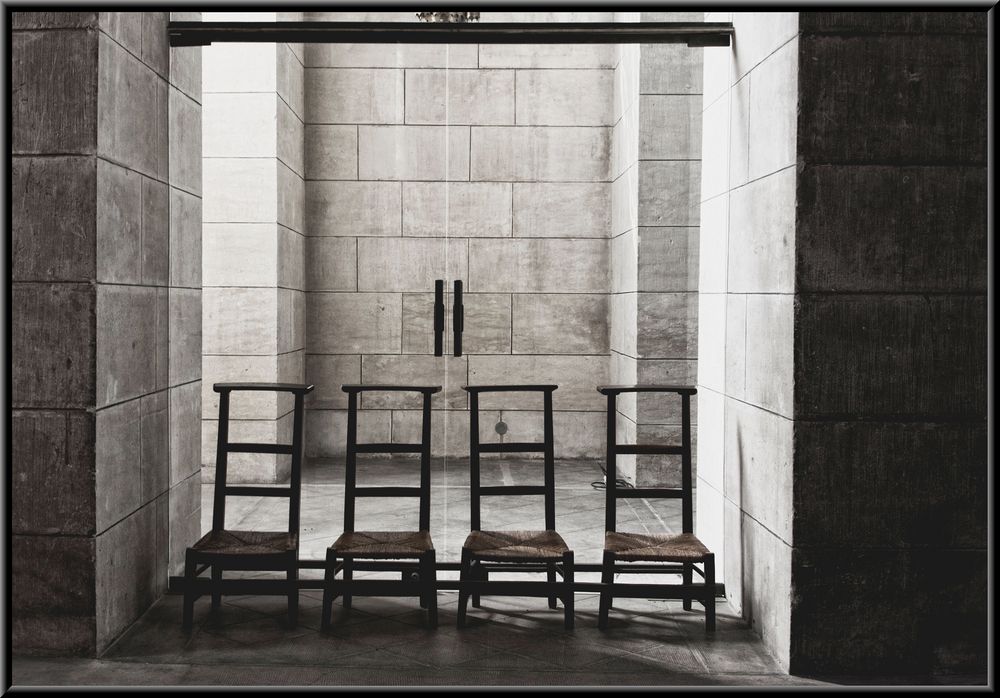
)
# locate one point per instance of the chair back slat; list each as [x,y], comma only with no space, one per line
[546,447]
[614,449]
[224,447]
[351,489]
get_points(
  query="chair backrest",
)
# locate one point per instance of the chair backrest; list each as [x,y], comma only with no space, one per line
[224,447]
[548,489]
[685,491]
[351,490]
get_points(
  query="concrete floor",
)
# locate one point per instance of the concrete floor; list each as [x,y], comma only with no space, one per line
[383,641]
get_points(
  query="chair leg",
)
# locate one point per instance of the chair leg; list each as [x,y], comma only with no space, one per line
[710,592]
[480,574]
[328,581]
[464,576]
[422,575]
[190,567]
[292,576]
[607,578]
[428,580]
[687,578]
[552,582]
[216,586]
[568,598]
[348,576]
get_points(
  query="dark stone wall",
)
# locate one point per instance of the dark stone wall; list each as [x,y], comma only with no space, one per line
[54,94]
[890,519]
[105,403]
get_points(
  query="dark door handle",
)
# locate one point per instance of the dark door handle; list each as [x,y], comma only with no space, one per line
[439,317]
[458,318]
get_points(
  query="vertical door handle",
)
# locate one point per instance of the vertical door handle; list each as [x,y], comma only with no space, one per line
[439,317]
[458,318]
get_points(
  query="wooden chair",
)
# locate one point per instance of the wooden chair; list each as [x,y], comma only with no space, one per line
[521,550]
[672,554]
[384,545]
[224,549]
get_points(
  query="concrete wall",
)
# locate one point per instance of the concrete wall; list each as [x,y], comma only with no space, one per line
[254,245]
[842,342]
[654,248]
[890,491]
[489,164]
[106,299]
[745,316]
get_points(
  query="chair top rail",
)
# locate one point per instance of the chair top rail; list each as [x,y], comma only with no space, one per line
[426,389]
[647,388]
[509,388]
[297,388]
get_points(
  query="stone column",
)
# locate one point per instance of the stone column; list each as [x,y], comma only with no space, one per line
[657,141]
[623,313]
[669,170]
[842,380]
[105,322]
[745,369]
[253,245]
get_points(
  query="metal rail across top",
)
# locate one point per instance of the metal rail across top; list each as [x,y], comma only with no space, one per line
[694,34]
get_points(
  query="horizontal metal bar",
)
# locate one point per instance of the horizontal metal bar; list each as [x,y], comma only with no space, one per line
[621,567]
[250,491]
[648,450]
[386,491]
[512,490]
[258,448]
[389,448]
[279,587]
[273,563]
[690,33]
[648,492]
[261,587]
[378,587]
[512,447]
[651,591]
[373,565]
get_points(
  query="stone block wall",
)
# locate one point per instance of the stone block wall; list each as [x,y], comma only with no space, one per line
[254,250]
[106,291]
[745,316]
[489,164]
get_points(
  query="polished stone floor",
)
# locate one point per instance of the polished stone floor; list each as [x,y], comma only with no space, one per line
[383,641]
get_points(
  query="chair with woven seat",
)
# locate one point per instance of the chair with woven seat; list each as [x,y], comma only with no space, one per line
[223,549]
[402,546]
[671,553]
[514,551]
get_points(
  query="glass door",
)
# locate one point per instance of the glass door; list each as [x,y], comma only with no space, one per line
[390,142]
[540,179]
